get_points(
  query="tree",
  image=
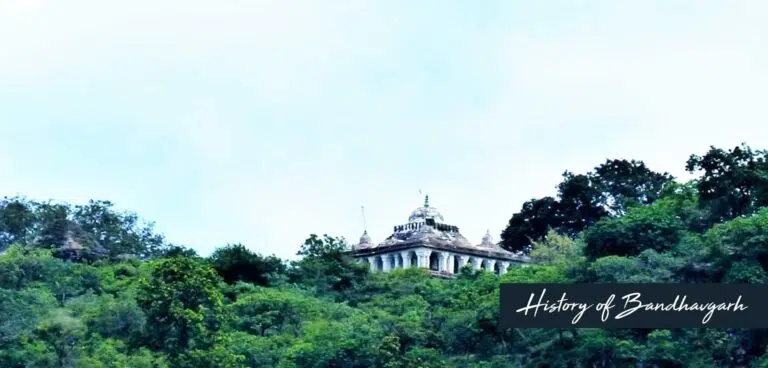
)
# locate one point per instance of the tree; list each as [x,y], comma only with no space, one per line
[183,304]
[63,332]
[531,224]
[120,233]
[649,267]
[657,227]
[580,203]
[236,263]
[555,248]
[173,250]
[584,199]
[23,266]
[733,182]
[17,218]
[267,312]
[326,267]
[53,224]
[327,246]
[624,184]
[738,249]
[21,311]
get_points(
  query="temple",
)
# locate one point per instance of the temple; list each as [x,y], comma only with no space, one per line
[426,241]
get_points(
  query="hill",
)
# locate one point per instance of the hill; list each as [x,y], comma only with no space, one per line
[89,286]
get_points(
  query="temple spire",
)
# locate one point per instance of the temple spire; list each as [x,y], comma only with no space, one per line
[426,201]
[487,239]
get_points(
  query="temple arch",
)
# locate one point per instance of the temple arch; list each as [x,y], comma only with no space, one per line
[391,261]
[471,262]
[456,265]
[434,261]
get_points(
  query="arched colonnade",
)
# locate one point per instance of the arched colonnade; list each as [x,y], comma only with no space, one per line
[435,260]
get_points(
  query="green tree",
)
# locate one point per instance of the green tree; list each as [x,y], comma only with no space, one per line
[17,220]
[64,333]
[658,227]
[265,312]
[183,305]
[120,233]
[326,268]
[236,263]
[532,223]
[583,199]
[22,266]
[624,184]
[733,182]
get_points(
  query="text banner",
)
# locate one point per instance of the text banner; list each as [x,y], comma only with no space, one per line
[634,305]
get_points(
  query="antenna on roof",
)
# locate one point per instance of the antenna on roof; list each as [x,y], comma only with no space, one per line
[365,225]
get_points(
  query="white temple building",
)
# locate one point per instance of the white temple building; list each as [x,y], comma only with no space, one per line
[426,241]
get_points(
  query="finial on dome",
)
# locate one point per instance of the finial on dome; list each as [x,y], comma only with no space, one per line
[365,224]
[425,212]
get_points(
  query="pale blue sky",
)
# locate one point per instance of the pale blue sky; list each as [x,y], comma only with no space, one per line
[264,121]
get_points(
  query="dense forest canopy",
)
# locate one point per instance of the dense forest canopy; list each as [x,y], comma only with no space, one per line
[90,286]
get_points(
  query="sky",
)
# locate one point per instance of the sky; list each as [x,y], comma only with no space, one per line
[261,122]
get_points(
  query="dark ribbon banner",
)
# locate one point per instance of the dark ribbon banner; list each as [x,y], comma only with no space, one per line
[634,305]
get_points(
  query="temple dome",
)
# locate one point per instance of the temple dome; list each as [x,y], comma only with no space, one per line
[365,241]
[425,212]
[487,240]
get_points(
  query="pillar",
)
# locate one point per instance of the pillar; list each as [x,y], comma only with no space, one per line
[492,265]
[476,264]
[463,260]
[372,262]
[504,267]
[386,261]
[423,258]
[406,256]
[443,261]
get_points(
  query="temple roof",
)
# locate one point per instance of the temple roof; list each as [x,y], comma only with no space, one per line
[435,233]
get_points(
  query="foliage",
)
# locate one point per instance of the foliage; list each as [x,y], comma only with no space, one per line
[733,182]
[326,268]
[656,227]
[609,190]
[183,304]
[88,232]
[236,263]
